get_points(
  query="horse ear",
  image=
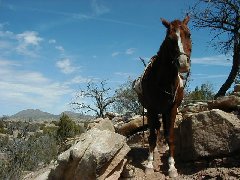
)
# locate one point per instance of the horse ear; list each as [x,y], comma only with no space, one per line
[186,19]
[165,23]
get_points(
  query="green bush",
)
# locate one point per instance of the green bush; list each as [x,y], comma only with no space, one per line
[50,130]
[27,155]
[3,131]
[67,128]
[203,93]
[126,99]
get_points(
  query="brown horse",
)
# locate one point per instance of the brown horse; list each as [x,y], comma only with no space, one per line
[160,89]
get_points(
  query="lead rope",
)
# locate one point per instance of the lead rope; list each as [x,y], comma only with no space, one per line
[143,135]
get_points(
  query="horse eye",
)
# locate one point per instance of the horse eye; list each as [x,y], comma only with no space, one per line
[189,35]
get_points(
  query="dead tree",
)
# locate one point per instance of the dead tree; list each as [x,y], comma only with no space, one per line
[95,98]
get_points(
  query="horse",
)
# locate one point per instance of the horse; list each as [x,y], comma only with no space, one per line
[160,89]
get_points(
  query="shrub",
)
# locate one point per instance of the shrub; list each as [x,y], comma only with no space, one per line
[50,130]
[203,93]
[27,155]
[67,128]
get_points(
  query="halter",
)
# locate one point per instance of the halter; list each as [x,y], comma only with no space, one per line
[175,59]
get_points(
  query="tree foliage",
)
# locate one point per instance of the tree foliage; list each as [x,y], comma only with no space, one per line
[94,98]
[203,93]
[67,128]
[222,17]
[126,99]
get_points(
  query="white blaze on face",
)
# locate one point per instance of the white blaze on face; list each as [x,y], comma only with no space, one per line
[180,41]
[183,59]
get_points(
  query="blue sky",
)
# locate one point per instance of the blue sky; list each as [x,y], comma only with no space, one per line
[50,49]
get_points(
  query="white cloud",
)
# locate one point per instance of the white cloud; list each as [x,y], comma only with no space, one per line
[65,66]
[115,54]
[130,51]
[29,38]
[207,76]
[52,41]
[7,34]
[60,48]
[220,60]
[98,8]
[78,80]
[124,74]
[28,43]
[29,88]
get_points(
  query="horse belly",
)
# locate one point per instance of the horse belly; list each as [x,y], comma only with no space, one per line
[160,102]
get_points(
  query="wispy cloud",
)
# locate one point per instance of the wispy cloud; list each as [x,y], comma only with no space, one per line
[207,76]
[220,60]
[52,41]
[99,8]
[124,74]
[96,12]
[115,54]
[29,88]
[130,51]
[78,80]
[26,43]
[66,66]
[56,46]
[60,48]
[29,38]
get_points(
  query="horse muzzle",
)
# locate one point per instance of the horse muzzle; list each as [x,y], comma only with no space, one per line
[184,63]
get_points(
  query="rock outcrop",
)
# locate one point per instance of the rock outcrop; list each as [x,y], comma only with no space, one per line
[97,155]
[102,124]
[195,107]
[208,134]
[225,103]
[134,125]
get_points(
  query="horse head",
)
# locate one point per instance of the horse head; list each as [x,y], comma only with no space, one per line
[178,38]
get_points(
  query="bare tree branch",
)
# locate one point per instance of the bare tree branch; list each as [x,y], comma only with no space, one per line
[97,94]
[222,17]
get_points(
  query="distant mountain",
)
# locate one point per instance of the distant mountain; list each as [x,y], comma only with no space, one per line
[38,115]
[77,116]
[33,114]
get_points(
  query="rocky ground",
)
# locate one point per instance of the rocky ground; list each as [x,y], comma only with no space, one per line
[226,168]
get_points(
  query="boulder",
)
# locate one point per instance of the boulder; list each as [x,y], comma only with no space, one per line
[102,124]
[133,126]
[225,103]
[97,155]
[208,134]
[111,115]
[195,107]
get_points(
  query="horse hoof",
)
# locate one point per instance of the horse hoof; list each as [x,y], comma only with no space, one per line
[149,171]
[173,173]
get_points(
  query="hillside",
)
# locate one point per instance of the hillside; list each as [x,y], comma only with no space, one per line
[33,114]
[38,115]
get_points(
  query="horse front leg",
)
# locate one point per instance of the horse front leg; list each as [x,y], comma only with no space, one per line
[172,171]
[153,124]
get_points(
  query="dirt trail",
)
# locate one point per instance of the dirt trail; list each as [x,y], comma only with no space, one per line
[219,168]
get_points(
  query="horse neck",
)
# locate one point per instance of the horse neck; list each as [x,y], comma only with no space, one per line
[164,64]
